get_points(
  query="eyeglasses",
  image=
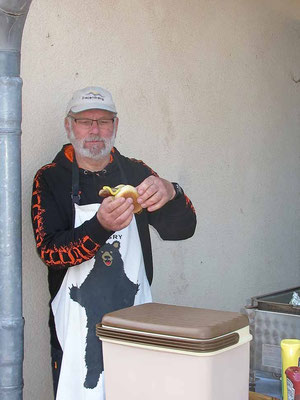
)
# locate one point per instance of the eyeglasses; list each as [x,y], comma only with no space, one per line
[88,123]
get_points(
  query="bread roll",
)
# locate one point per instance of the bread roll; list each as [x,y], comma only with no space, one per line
[122,191]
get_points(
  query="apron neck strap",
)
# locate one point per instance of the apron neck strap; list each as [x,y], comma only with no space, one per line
[75,182]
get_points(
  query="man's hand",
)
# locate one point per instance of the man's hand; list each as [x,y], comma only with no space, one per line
[155,192]
[115,214]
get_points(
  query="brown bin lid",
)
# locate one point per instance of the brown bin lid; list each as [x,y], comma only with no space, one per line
[191,328]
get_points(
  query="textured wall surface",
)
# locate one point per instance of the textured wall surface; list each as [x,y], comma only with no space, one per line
[207,95]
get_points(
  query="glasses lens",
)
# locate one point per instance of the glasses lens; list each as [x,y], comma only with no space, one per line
[84,122]
[105,123]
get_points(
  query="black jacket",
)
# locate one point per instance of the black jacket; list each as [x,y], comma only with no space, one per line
[61,246]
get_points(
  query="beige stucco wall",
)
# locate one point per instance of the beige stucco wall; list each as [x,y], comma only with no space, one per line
[206,95]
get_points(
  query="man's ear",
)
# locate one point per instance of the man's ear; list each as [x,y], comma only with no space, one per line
[116,125]
[67,126]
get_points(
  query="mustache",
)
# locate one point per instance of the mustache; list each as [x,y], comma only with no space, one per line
[94,139]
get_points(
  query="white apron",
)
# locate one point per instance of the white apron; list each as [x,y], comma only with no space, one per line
[115,278]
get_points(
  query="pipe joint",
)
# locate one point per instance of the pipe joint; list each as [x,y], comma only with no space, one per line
[9,63]
[10,100]
[11,323]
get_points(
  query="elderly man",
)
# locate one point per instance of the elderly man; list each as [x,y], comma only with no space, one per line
[98,252]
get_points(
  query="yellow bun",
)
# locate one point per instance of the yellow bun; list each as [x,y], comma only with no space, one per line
[130,191]
[122,191]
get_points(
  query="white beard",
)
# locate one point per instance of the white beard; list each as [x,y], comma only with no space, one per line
[94,152]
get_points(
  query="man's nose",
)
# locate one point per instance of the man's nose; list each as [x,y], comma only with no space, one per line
[95,127]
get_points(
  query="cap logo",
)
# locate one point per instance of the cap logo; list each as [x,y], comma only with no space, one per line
[93,96]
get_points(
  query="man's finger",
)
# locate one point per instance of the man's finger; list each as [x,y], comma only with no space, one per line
[111,203]
[144,186]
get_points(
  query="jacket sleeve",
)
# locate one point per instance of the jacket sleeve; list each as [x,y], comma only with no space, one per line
[58,243]
[176,220]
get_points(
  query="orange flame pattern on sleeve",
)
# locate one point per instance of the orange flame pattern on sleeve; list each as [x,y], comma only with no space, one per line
[63,256]
[75,254]
[189,204]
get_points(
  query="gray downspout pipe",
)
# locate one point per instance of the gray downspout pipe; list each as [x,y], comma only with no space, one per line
[13,14]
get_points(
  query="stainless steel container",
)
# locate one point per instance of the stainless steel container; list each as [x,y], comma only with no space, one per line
[271,319]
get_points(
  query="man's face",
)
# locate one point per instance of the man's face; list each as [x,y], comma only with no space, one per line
[95,141]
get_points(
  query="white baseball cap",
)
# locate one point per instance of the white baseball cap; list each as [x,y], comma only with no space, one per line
[91,97]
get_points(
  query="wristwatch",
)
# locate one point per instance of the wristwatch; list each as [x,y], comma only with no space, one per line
[178,190]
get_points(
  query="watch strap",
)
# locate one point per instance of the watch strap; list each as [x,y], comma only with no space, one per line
[178,190]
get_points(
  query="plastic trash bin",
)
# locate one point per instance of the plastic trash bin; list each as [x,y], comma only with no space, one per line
[158,351]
